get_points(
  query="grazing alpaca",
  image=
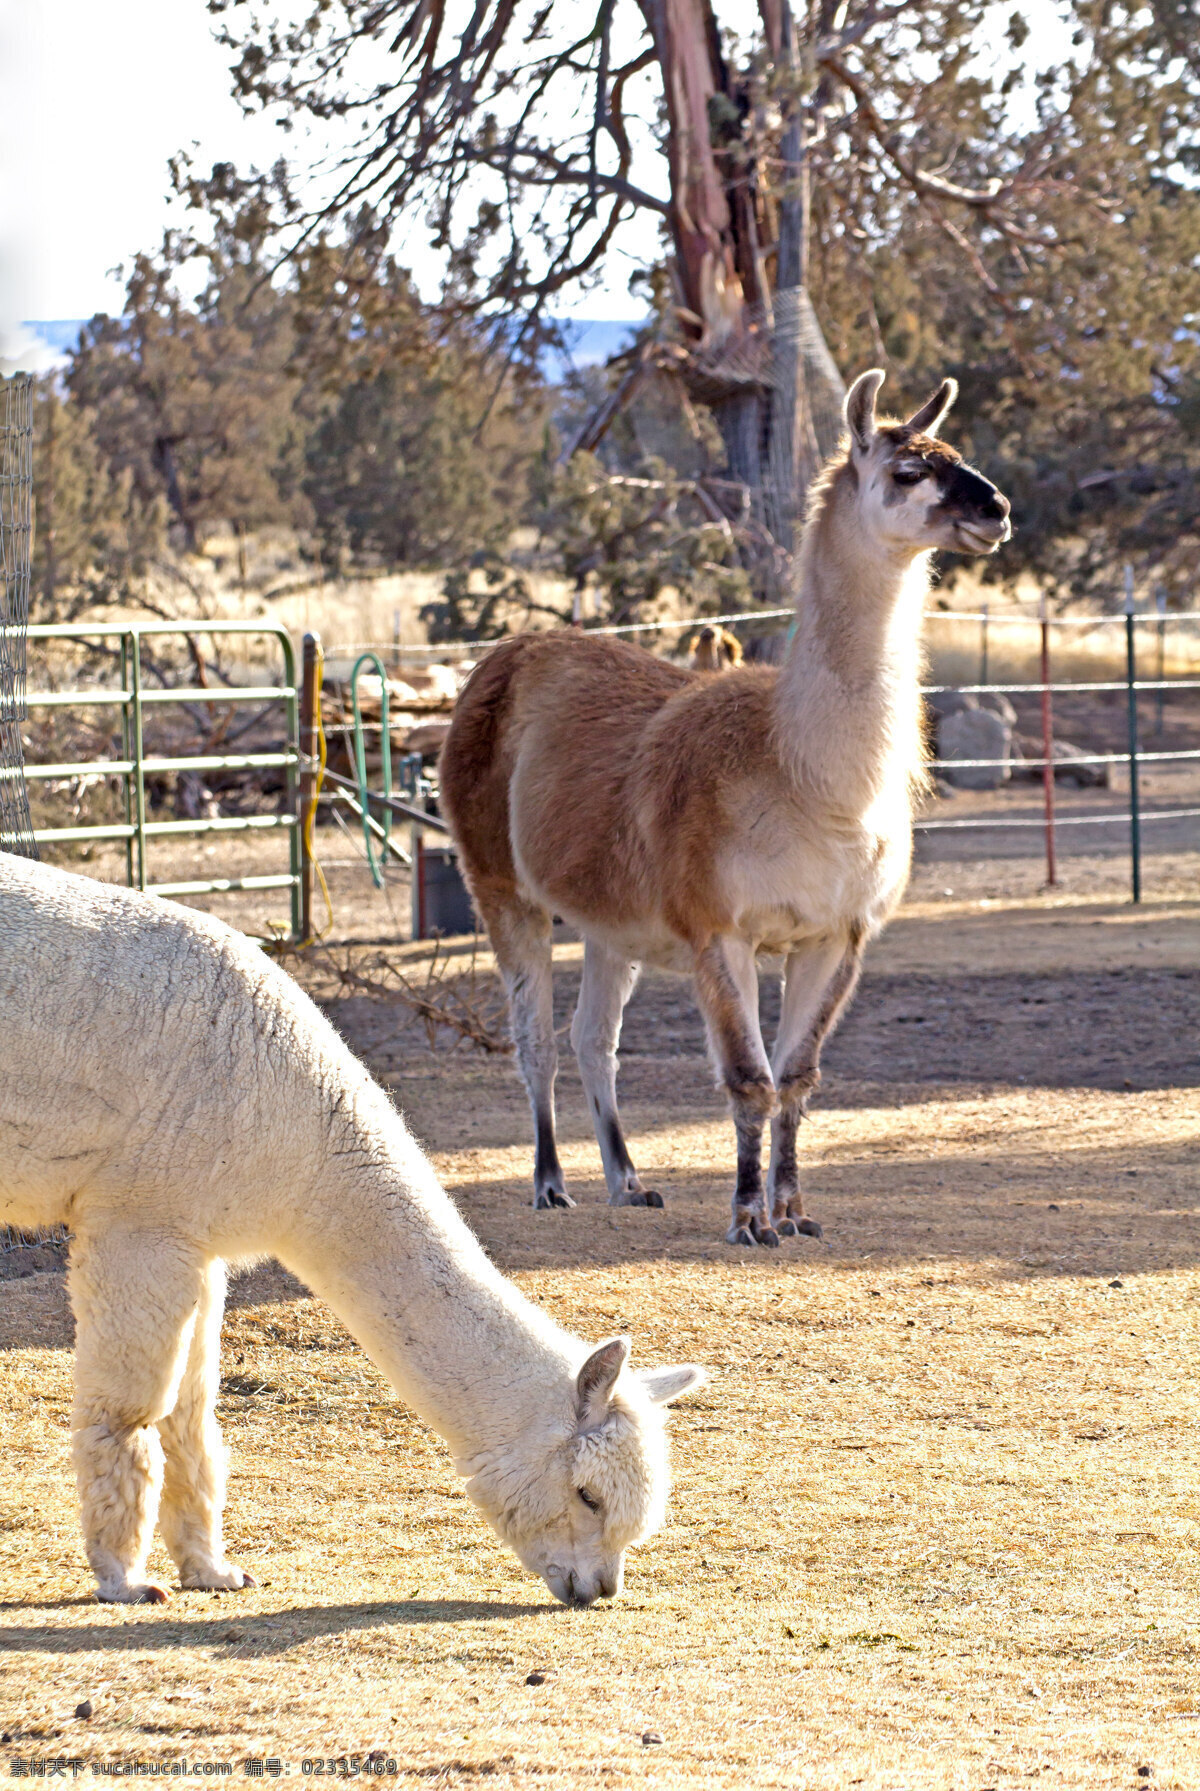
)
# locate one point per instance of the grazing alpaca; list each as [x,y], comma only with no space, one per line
[714,650]
[695,822]
[173,1097]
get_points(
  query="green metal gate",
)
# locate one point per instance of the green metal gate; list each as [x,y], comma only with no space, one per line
[132,767]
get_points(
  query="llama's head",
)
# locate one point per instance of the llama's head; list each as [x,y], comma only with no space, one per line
[572,1493]
[913,491]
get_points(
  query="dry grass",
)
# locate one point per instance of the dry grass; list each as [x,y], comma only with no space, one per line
[935,1517]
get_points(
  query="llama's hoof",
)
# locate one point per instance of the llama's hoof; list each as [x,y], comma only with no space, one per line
[800,1228]
[150,1593]
[651,1198]
[755,1231]
[642,1197]
[550,1197]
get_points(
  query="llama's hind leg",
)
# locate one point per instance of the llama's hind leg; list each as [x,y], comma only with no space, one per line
[727,987]
[521,937]
[135,1298]
[607,983]
[818,982]
[193,1493]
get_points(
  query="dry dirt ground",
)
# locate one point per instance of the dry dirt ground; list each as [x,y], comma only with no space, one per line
[935,1516]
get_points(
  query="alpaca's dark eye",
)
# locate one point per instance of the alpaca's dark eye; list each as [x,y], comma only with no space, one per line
[909,475]
[591,1503]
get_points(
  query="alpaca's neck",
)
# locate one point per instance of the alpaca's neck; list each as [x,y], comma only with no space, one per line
[847,705]
[378,1239]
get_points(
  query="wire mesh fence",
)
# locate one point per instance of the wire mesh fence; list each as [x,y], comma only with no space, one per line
[1133,672]
[16,542]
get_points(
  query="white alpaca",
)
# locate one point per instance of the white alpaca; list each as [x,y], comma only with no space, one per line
[174,1097]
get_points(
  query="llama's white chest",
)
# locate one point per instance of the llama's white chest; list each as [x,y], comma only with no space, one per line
[817,874]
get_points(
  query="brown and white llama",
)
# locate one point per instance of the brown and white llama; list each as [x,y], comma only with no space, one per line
[698,823]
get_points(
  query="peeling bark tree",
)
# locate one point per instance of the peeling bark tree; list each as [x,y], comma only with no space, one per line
[524,131]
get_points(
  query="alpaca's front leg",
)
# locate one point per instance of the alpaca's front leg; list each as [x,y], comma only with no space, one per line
[134,1298]
[193,1494]
[727,987]
[818,982]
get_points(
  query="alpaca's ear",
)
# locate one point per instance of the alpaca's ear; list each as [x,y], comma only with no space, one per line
[932,414]
[665,1385]
[860,407]
[598,1377]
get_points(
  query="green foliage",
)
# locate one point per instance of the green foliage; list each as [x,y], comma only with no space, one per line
[632,536]
[94,534]
[194,404]
[398,472]
[482,601]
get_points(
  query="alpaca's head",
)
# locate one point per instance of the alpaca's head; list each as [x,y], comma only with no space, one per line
[913,492]
[570,1494]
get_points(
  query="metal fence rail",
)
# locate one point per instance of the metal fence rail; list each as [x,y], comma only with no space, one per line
[132,698]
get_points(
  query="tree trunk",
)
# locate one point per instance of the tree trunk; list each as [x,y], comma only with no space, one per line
[759,361]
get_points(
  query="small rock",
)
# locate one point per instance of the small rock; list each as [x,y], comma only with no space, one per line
[1146,1772]
[535,1679]
[1117,1283]
[1052,1208]
[84,1710]
[652,1738]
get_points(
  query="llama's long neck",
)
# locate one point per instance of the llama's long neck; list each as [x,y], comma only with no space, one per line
[378,1239]
[847,704]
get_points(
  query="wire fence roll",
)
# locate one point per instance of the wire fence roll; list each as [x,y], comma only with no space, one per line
[16,544]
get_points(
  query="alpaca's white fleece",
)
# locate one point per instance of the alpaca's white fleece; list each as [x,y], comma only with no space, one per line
[172,1095]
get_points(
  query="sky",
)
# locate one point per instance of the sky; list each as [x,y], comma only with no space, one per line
[95,96]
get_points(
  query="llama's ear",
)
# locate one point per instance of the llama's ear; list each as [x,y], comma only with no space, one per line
[597,1378]
[665,1385]
[860,407]
[929,419]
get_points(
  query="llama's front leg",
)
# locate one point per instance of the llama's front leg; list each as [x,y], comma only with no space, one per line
[818,982]
[727,987]
[193,1493]
[135,1297]
[521,936]
[607,983]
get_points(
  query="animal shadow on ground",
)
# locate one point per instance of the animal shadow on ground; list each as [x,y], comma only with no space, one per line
[270,1632]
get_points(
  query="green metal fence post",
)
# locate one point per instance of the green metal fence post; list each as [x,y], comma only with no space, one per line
[127,753]
[139,775]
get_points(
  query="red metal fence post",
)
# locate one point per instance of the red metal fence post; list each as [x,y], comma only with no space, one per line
[1048,752]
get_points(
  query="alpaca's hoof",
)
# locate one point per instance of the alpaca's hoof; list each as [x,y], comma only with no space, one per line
[151,1593]
[641,1197]
[226,1578]
[652,1198]
[767,1234]
[739,1234]
[550,1197]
